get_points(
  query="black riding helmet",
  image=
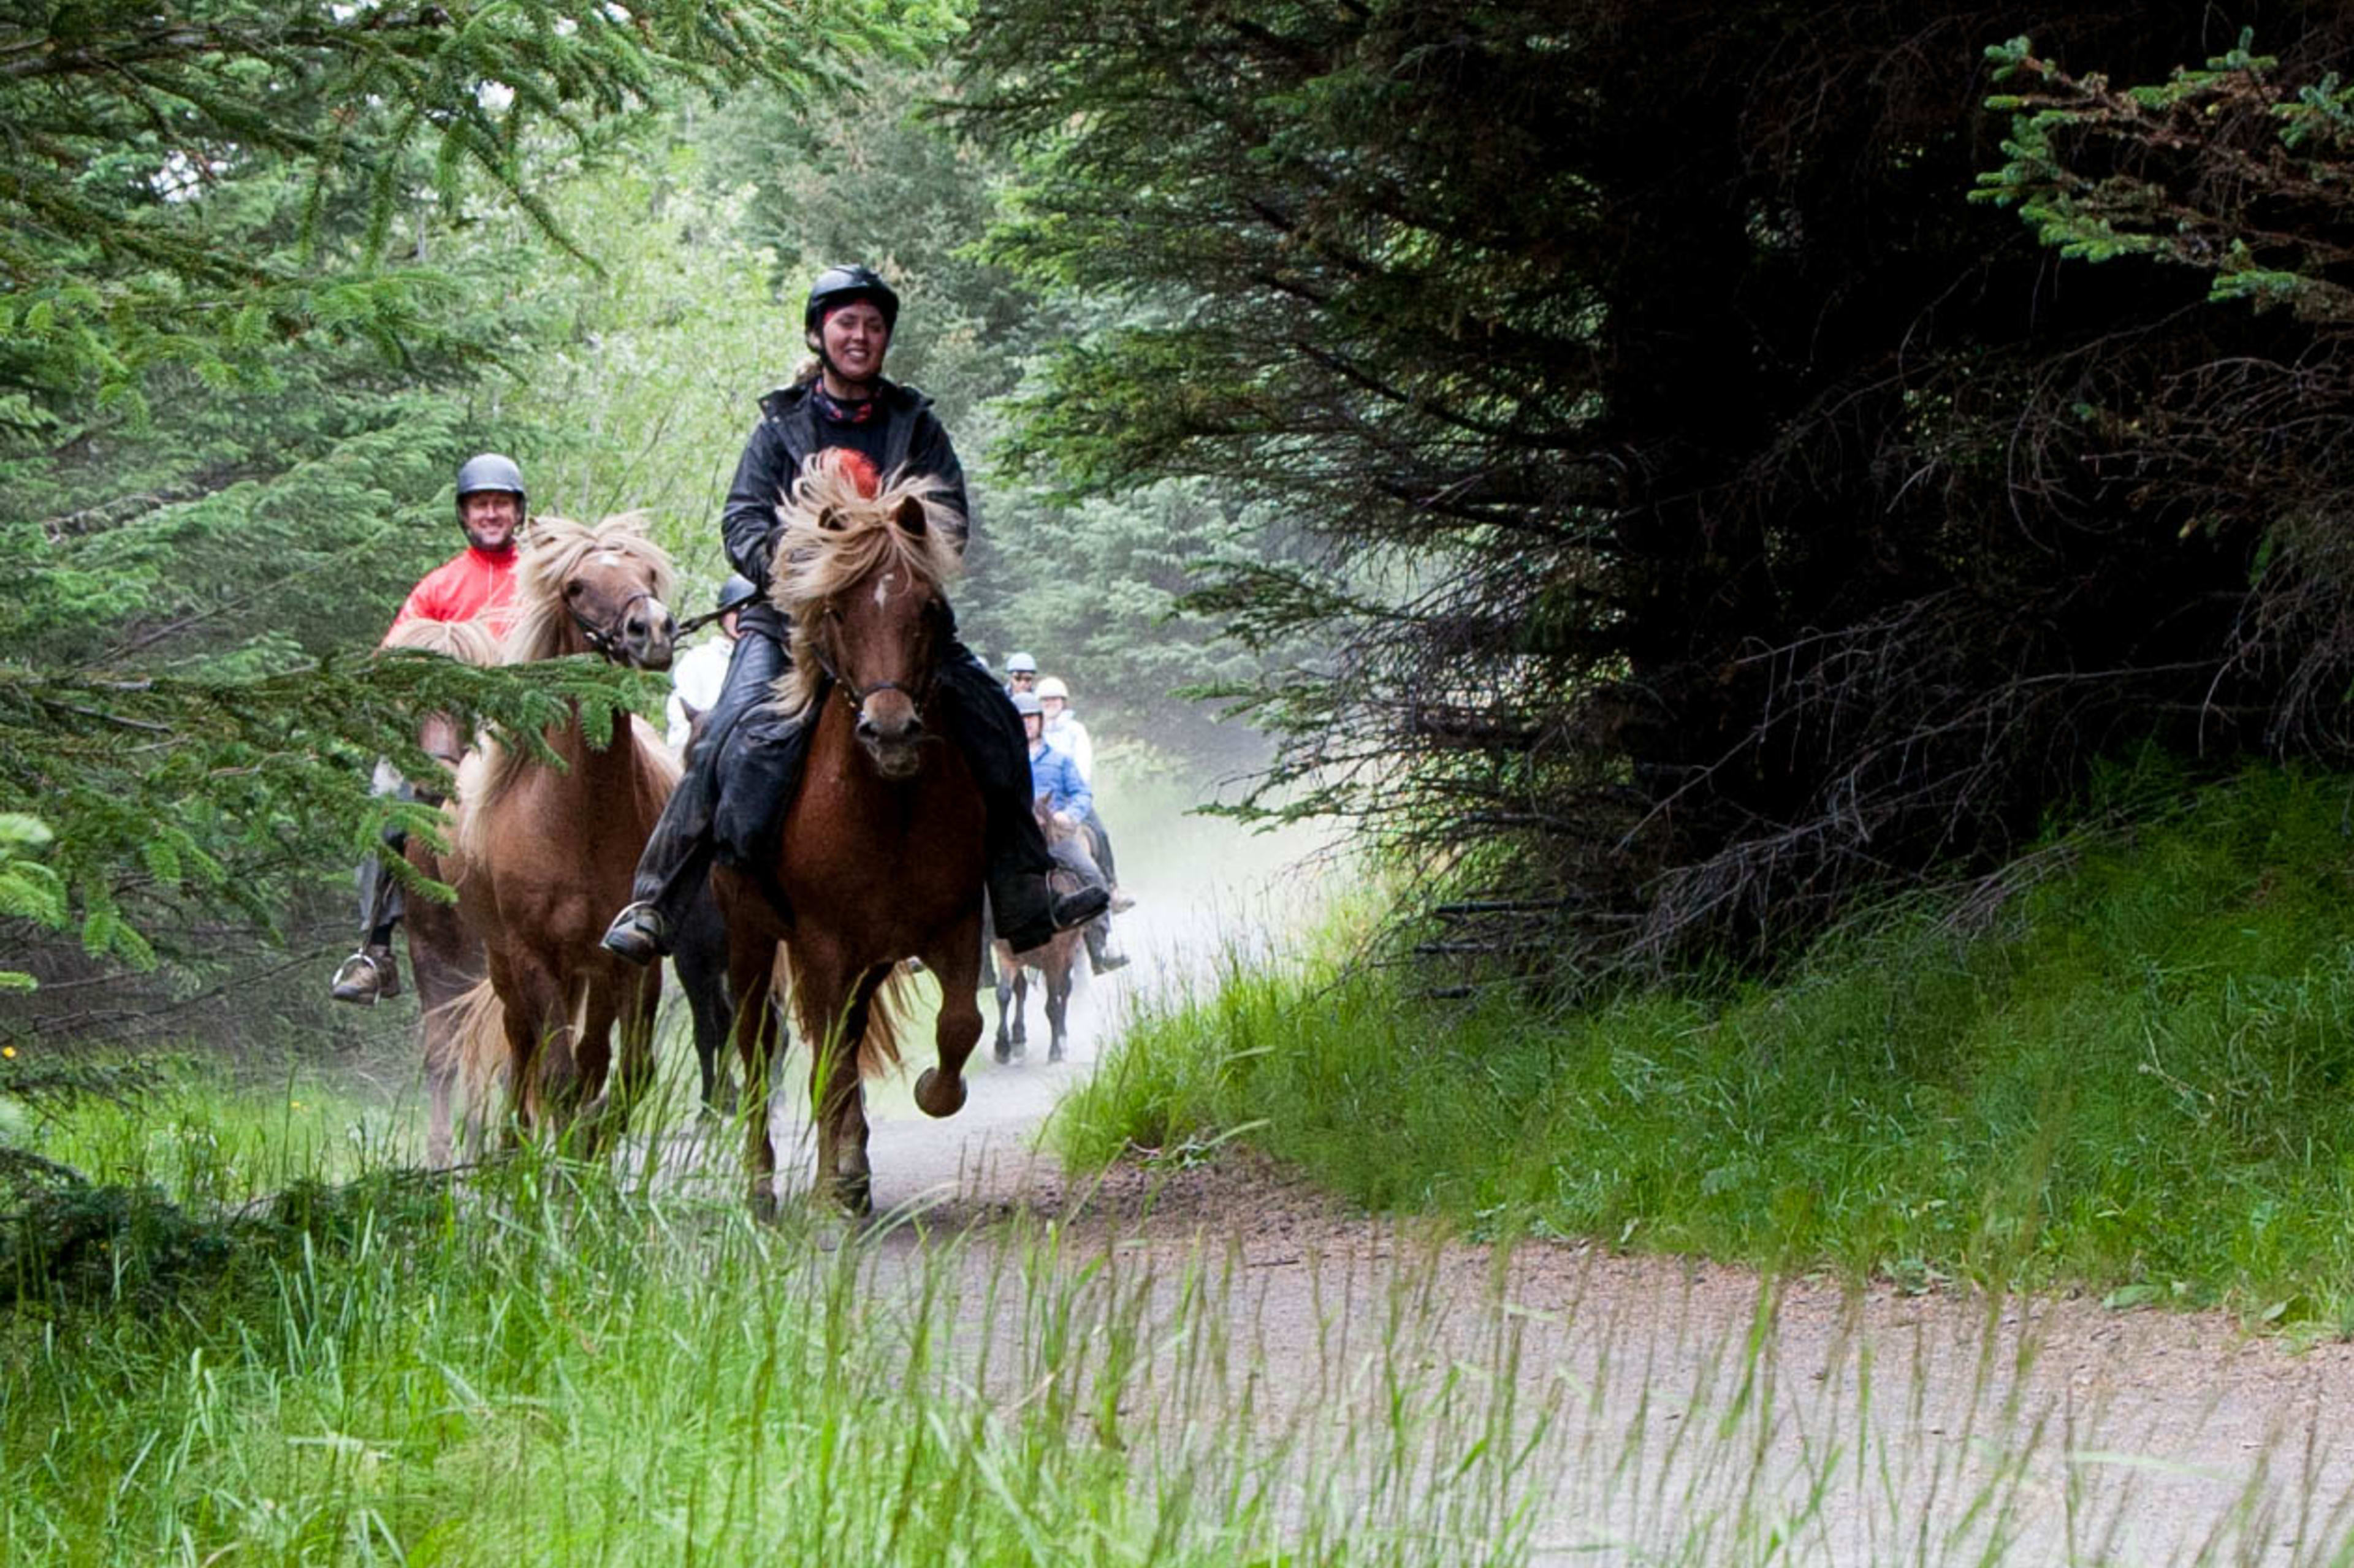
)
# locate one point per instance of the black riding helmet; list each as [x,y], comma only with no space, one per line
[840,285]
[736,592]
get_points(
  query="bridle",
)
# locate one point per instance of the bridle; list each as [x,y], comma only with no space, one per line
[607,639]
[854,695]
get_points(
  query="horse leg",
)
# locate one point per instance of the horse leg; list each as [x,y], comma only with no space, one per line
[1058,1001]
[701,960]
[853,1176]
[535,1026]
[707,999]
[640,996]
[1004,1045]
[837,1097]
[941,1090]
[751,959]
[616,1072]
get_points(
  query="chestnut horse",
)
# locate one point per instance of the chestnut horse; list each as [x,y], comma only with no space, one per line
[444,956]
[1053,962]
[880,858]
[547,853]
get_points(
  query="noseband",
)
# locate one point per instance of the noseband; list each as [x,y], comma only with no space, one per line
[607,639]
[855,696]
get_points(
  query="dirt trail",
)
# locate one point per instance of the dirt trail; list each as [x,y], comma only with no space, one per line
[1672,1412]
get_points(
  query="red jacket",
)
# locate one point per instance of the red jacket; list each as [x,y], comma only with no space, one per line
[474,582]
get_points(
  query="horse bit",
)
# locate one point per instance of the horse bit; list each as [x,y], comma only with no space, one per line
[606,640]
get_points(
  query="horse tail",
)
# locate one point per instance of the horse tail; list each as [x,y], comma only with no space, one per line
[878,1048]
[477,1039]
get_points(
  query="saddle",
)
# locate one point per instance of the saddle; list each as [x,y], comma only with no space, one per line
[759,764]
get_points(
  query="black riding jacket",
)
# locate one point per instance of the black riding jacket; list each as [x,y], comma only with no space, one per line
[789,433]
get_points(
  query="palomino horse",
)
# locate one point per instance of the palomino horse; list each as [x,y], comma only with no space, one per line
[547,853]
[1055,963]
[445,957]
[881,856]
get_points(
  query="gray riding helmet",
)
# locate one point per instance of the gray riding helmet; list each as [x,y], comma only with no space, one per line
[1021,664]
[736,592]
[1025,705]
[489,470]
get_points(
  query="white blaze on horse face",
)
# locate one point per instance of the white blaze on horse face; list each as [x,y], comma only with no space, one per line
[883,589]
[608,558]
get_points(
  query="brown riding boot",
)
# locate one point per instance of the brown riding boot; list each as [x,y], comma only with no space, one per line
[368,976]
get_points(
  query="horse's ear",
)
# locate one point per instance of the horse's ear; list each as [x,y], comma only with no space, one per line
[910,517]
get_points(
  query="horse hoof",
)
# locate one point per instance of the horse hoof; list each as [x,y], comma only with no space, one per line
[1003,1049]
[933,1093]
[1055,1052]
[855,1196]
[764,1207]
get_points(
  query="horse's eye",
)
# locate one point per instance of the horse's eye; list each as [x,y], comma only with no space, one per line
[574,589]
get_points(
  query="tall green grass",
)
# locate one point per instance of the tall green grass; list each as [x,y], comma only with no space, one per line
[2137,1074]
[277,1346]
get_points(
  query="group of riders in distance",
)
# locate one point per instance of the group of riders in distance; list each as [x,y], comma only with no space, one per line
[1029,756]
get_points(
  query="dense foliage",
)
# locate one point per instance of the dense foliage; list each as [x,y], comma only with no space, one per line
[1722,517]
[2134,1078]
[1091,587]
[261,267]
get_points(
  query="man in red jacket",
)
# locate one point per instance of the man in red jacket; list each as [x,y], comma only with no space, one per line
[478,581]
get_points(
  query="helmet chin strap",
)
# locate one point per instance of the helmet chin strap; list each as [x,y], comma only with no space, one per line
[834,371]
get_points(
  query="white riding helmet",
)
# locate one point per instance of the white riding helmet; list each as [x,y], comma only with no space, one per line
[1052,686]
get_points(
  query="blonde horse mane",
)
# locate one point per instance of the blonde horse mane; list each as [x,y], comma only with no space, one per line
[835,535]
[553,550]
[468,642]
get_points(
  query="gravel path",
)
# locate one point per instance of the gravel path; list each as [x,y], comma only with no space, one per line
[1658,1410]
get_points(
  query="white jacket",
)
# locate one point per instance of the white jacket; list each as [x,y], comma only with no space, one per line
[1070,737]
[695,683]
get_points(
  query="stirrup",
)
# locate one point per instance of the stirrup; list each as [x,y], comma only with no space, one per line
[366,978]
[639,933]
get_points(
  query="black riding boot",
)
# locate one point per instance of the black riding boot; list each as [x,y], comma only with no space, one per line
[678,854]
[1102,958]
[371,974]
[978,718]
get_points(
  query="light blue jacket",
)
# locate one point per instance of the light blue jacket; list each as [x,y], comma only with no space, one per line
[1053,774]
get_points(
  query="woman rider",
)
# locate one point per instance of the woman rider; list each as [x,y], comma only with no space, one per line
[844,402]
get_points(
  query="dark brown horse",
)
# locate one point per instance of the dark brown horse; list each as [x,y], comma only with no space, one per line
[1055,963]
[547,853]
[444,956]
[880,858]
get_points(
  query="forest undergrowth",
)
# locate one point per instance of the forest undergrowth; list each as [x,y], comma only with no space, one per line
[2125,1065]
